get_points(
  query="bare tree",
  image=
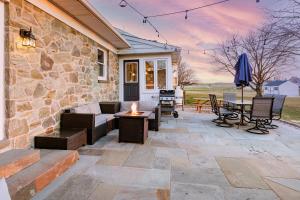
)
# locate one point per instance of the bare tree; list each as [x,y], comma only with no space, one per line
[185,74]
[269,49]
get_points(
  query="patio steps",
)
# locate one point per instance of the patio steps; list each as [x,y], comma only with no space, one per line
[13,161]
[26,183]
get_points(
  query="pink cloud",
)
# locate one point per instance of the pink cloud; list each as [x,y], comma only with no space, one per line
[204,28]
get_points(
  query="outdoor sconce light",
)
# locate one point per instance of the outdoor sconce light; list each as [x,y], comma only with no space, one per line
[28,38]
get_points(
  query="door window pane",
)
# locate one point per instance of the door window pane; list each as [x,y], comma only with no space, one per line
[149,75]
[131,72]
[161,74]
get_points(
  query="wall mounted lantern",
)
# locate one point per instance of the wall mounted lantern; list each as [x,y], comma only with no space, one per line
[28,38]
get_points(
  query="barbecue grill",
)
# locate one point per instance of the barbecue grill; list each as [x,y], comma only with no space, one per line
[167,102]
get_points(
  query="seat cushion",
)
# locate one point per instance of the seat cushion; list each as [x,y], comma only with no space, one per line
[108,117]
[100,119]
[84,109]
[126,105]
[95,108]
[152,116]
[147,105]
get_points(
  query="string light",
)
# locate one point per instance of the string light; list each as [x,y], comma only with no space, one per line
[125,3]
[187,10]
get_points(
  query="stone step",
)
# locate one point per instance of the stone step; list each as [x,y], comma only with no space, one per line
[13,161]
[25,184]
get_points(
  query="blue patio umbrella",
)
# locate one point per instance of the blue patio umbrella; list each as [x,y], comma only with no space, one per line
[243,73]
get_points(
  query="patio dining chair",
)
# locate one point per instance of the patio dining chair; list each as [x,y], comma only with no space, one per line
[227,97]
[261,111]
[222,113]
[276,110]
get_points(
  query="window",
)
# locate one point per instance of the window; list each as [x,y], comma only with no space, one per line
[131,72]
[276,88]
[149,75]
[161,74]
[266,88]
[102,63]
[156,74]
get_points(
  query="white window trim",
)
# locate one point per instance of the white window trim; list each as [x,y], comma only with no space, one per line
[155,60]
[105,65]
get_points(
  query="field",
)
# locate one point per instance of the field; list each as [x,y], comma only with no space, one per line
[291,110]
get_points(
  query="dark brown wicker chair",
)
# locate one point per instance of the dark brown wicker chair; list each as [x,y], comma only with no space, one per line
[261,111]
[223,114]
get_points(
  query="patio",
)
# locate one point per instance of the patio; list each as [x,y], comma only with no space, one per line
[189,158]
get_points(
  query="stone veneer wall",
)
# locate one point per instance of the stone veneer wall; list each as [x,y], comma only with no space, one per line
[59,73]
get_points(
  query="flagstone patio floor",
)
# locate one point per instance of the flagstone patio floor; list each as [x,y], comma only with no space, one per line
[189,158]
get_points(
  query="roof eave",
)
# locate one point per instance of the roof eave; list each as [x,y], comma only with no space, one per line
[118,42]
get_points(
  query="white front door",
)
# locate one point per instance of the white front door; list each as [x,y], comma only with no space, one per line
[2,96]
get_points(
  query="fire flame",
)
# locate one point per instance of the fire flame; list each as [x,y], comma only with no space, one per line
[134,109]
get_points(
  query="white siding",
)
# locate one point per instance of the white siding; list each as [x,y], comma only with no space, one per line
[144,94]
[290,89]
[2,96]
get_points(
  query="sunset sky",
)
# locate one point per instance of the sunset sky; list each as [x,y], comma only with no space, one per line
[204,29]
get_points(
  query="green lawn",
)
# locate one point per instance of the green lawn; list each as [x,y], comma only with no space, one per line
[291,110]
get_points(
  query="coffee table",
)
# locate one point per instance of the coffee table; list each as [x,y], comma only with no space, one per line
[133,128]
[64,139]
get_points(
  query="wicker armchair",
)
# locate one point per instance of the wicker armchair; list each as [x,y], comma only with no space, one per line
[261,111]
[223,114]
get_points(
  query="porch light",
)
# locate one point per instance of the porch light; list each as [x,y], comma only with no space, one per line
[123,4]
[28,38]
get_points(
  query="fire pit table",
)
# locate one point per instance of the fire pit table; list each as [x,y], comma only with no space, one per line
[133,126]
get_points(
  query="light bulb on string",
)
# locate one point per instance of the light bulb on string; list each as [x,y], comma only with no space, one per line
[123,4]
[186,15]
[145,20]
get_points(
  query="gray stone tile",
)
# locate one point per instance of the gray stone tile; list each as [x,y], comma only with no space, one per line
[104,192]
[113,157]
[249,194]
[162,163]
[77,187]
[142,157]
[138,193]
[129,176]
[240,174]
[207,176]
[183,191]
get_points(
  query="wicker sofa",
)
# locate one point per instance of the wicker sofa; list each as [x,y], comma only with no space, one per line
[98,118]
[97,122]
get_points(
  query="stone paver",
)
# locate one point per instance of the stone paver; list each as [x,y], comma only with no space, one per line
[189,158]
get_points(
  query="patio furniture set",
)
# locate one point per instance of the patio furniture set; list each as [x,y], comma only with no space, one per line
[86,124]
[261,111]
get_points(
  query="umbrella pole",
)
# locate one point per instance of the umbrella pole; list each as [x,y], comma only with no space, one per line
[242,93]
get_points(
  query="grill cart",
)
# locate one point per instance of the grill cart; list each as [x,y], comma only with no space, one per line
[167,102]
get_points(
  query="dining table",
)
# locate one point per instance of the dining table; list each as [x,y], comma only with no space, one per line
[242,104]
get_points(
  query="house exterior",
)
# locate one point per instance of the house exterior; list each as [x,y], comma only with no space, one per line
[282,88]
[77,57]
[145,68]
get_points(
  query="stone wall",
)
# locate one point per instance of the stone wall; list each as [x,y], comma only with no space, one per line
[59,73]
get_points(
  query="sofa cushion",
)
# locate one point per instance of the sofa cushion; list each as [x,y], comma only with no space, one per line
[82,109]
[94,108]
[100,119]
[126,105]
[152,116]
[108,117]
[147,105]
